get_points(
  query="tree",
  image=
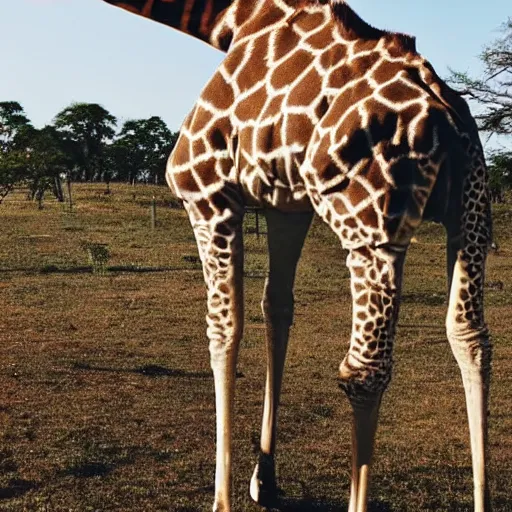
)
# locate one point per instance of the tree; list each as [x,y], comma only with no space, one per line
[500,175]
[86,128]
[494,90]
[12,120]
[46,161]
[125,157]
[141,150]
[12,171]
[158,142]
[14,127]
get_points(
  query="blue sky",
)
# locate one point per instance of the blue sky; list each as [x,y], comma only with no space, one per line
[59,51]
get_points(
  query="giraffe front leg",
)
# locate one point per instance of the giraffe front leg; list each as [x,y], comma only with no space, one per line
[221,250]
[469,340]
[286,234]
[376,277]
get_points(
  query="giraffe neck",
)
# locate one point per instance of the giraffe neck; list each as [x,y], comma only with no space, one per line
[217,22]
[212,21]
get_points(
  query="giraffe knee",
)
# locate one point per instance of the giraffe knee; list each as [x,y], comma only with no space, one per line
[364,381]
[471,346]
[225,326]
[277,306]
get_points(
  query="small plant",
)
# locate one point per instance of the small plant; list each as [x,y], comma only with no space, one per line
[98,254]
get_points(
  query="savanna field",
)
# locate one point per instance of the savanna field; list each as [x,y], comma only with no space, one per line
[106,394]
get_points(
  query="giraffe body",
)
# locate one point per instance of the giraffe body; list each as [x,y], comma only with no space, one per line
[314,110]
[361,122]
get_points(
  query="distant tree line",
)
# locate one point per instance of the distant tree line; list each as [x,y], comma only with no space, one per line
[85,144]
[82,144]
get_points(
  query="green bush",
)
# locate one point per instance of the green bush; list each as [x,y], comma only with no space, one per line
[98,254]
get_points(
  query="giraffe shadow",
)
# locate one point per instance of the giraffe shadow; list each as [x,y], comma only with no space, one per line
[308,504]
[290,504]
[16,487]
[149,370]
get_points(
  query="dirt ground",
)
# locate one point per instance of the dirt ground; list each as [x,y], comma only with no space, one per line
[106,395]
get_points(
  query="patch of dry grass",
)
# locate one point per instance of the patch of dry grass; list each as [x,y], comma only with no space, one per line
[106,397]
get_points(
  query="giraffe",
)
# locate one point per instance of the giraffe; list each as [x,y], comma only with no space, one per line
[314,110]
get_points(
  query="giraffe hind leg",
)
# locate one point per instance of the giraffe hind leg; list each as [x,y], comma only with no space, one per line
[376,279]
[285,233]
[469,340]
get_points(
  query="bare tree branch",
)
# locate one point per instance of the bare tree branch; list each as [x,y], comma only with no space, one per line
[493,90]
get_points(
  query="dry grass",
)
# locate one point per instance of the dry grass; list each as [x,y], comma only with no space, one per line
[106,398]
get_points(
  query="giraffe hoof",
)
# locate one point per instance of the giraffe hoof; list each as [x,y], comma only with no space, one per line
[262,490]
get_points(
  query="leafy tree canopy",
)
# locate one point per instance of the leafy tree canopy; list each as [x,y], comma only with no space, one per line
[141,150]
[14,128]
[500,174]
[86,121]
[12,121]
[85,129]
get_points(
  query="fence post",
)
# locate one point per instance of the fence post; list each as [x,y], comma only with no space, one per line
[257,223]
[152,210]
[68,179]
